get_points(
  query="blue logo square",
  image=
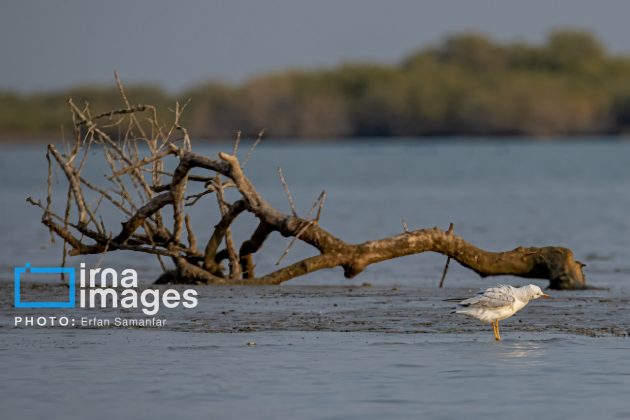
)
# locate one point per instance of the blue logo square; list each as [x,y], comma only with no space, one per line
[19,303]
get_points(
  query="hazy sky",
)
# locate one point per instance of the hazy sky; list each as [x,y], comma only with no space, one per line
[51,44]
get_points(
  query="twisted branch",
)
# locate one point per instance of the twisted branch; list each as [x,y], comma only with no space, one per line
[144,228]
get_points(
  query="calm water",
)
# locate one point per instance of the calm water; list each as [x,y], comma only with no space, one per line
[499,195]
[164,375]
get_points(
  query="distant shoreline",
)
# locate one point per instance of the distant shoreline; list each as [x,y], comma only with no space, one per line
[467,85]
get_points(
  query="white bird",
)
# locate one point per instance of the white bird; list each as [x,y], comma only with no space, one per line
[498,303]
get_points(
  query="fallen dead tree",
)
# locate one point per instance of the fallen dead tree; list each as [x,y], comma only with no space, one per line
[141,189]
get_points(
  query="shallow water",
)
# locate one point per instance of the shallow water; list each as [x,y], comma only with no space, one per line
[388,351]
[499,194]
[147,375]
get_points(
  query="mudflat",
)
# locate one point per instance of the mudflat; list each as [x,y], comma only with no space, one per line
[383,309]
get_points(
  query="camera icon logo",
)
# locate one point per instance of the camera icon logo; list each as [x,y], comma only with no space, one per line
[20,271]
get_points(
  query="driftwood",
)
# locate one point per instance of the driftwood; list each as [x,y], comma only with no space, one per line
[141,189]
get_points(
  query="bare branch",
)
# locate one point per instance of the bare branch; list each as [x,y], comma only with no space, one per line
[192,239]
[251,149]
[235,266]
[287,191]
[140,163]
[138,219]
[219,232]
[129,168]
[320,208]
[451,229]
[75,185]
[121,111]
[251,246]
[317,203]
[236,143]
[295,238]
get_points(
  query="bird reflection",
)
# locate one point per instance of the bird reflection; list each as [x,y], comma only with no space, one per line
[530,351]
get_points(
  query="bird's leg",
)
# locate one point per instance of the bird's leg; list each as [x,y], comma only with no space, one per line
[495,330]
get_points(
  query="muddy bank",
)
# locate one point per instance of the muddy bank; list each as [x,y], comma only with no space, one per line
[407,310]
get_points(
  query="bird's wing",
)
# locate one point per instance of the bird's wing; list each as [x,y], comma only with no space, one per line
[494,297]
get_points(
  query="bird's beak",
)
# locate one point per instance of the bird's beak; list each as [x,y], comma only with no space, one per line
[546,296]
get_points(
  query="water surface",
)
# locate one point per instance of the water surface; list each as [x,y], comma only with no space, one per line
[500,195]
[389,351]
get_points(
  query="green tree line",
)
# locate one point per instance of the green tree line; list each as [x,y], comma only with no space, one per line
[465,85]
